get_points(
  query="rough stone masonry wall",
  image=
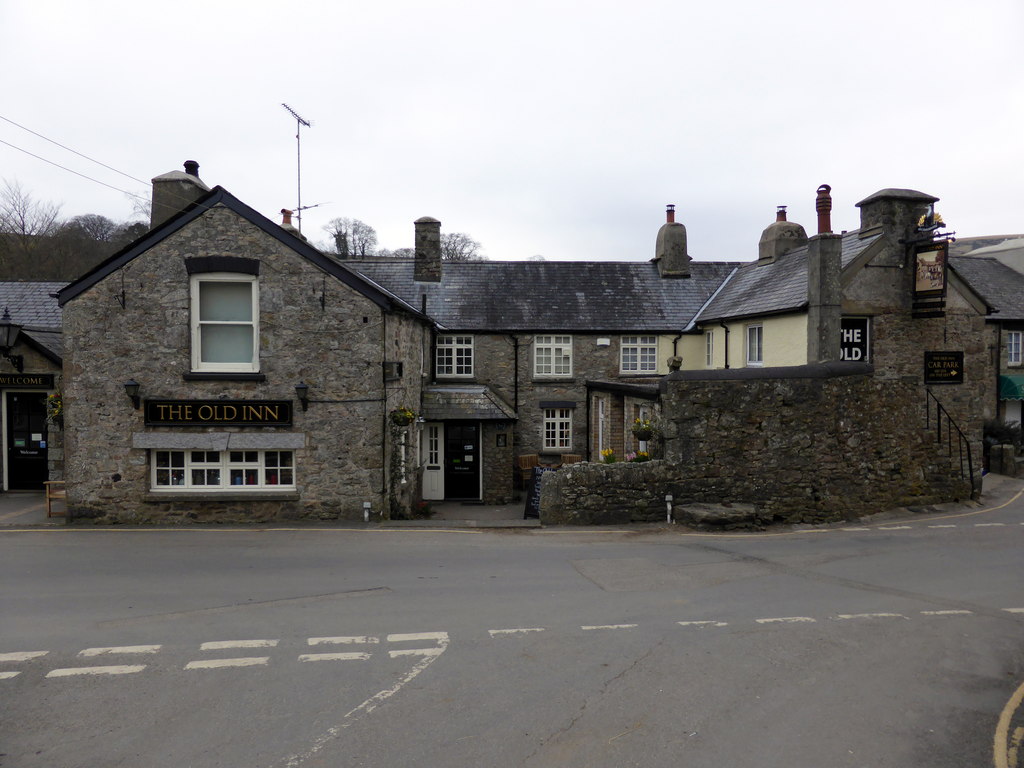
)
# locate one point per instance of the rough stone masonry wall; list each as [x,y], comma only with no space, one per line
[312,328]
[801,450]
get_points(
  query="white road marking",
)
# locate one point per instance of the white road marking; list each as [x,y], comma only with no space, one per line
[371,703]
[334,656]
[988,525]
[517,631]
[120,649]
[416,652]
[8,675]
[610,626]
[221,644]
[118,670]
[700,624]
[947,613]
[1014,610]
[247,661]
[787,620]
[354,640]
[438,636]
[22,656]
[894,527]
[854,529]
[846,616]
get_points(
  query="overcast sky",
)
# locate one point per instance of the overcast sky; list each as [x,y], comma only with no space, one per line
[539,128]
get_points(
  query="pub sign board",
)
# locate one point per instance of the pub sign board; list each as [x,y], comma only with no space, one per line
[201,413]
[854,338]
[42,380]
[930,270]
[943,367]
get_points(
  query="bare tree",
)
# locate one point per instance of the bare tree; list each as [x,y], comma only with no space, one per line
[458,246]
[353,239]
[25,225]
[398,253]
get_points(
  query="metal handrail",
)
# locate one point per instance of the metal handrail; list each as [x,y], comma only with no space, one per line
[962,441]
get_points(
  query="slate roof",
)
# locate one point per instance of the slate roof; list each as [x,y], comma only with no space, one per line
[776,287]
[49,342]
[1001,287]
[572,296]
[30,302]
[474,402]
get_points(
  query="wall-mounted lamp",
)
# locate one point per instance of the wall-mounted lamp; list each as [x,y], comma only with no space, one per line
[302,392]
[131,388]
[9,331]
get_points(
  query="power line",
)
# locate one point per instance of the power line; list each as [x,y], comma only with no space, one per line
[69,149]
[64,168]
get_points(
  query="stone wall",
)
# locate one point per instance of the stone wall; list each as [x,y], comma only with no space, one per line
[807,444]
[135,325]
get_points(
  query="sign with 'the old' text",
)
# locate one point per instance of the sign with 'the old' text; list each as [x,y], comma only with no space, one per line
[200,413]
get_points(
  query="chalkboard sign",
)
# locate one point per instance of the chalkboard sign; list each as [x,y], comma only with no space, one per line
[533,493]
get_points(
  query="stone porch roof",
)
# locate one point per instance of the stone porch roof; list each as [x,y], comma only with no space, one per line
[464,401]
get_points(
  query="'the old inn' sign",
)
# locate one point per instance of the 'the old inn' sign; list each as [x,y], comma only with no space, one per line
[199,413]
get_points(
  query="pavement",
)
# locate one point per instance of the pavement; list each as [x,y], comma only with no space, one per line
[27,508]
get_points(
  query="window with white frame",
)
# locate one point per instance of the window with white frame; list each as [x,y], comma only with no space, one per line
[639,354]
[225,322]
[455,356]
[709,349]
[1013,340]
[755,345]
[552,356]
[557,429]
[212,471]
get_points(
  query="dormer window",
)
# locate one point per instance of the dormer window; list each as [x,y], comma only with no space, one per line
[225,322]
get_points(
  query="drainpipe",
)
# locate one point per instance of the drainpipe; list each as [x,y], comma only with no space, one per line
[675,341]
[383,412]
[726,329]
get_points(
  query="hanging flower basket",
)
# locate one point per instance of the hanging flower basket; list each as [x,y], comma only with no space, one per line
[403,416]
[55,410]
[643,429]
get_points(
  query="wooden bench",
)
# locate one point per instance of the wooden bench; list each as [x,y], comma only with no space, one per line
[570,458]
[526,464]
[55,490]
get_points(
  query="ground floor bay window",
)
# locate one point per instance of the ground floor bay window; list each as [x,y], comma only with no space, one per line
[222,470]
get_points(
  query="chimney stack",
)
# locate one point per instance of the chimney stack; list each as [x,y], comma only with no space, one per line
[824,293]
[175,191]
[823,205]
[670,247]
[779,237]
[427,267]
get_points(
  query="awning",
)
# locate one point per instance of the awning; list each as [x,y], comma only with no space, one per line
[1011,387]
[465,402]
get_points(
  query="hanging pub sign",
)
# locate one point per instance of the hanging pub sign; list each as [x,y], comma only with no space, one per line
[943,367]
[44,380]
[853,343]
[201,413]
[930,270]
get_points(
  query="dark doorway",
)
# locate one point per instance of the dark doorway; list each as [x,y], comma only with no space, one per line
[462,460]
[26,441]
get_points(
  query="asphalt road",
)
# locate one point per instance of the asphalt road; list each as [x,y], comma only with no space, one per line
[891,644]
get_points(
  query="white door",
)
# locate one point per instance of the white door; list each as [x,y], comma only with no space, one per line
[433,465]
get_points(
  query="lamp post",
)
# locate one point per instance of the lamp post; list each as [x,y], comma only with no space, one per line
[9,332]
